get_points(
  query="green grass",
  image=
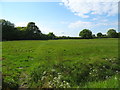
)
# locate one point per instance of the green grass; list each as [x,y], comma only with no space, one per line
[0,56]
[113,82]
[21,58]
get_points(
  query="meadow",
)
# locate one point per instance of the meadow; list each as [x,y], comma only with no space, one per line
[81,63]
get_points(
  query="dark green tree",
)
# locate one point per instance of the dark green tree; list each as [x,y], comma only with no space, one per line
[86,34]
[112,33]
[21,31]
[32,31]
[93,36]
[21,28]
[99,35]
[118,34]
[104,36]
[8,30]
[51,35]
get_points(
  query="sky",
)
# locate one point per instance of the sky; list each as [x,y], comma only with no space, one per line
[65,18]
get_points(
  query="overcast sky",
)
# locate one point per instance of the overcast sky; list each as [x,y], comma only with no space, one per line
[67,17]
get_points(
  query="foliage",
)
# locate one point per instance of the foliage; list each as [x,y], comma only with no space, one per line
[93,36]
[46,77]
[8,31]
[112,82]
[86,34]
[119,35]
[51,35]
[112,33]
[99,35]
[10,83]
[32,32]
[76,73]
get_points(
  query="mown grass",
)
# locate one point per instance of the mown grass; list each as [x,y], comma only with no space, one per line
[27,60]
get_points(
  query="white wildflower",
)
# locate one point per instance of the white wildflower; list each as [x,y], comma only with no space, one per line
[116,71]
[67,83]
[53,70]
[42,77]
[63,81]
[44,72]
[91,68]
[104,66]
[106,77]
[59,73]
[115,78]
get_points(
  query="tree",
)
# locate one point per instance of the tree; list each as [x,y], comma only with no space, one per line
[86,34]
[21,28]
[104,36]
[99,35]
[51,35]
[21,32]
[112,33]
[118,34]
[8,30]
[32,31]
[93,36]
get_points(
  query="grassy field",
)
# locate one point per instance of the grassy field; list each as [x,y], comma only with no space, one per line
[60,63]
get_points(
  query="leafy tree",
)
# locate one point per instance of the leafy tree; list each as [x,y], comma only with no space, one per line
[86,34]
[32,27]
[112,33]
[104,36]
[118,34]
[51,35]
[32,31]
[8,30]
[21,28]
[21,31]
[99,35]
[93,36]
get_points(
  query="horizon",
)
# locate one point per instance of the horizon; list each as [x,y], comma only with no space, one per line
[63,18]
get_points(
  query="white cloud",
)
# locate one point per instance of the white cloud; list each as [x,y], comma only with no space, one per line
[82,24]
[95,19]
[105,20]
[84,7]
[61,4]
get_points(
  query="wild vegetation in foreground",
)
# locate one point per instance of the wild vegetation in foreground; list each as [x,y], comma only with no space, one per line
[91,63]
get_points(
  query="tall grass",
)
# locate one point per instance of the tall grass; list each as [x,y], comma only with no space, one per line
[112,82]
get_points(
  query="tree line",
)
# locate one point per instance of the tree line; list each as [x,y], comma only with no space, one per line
[32,32]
